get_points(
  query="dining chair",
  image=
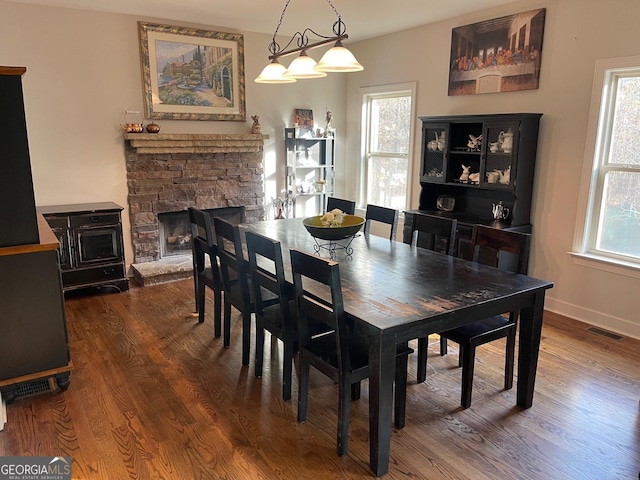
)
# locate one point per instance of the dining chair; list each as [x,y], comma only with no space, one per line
[380,214]
[233,214]
[433,233]
[341,355]
[347,206]
[507,250]
[267,275]
[234,271]
[205,274]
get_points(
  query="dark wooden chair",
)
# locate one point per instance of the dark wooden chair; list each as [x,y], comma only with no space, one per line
[509,251]
[433,233]
[234,214]
[234,271]
[267,275]
[375,213]
[205,274]
[342,355]
[347,206]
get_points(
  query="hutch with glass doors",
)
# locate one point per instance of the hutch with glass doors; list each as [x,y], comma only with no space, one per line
[478,169]
[309,172]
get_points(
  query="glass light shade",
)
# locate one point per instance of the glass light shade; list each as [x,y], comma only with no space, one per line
[303,67]
[274,73]
[338,59]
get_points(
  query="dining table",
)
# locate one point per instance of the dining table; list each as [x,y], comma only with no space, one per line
[395,292]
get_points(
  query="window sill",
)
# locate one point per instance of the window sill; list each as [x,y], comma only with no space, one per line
[606,264]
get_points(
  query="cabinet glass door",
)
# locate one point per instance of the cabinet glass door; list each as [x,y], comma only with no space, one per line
[500,150]
[97,245]
[435,149]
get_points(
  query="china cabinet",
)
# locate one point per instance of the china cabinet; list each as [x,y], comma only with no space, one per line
[309,171]
[471,163]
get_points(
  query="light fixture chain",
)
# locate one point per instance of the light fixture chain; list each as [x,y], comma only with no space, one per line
[281,17]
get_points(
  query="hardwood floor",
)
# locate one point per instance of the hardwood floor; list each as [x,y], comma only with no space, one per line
[154,395]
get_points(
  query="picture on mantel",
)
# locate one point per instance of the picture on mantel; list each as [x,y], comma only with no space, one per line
[498,55]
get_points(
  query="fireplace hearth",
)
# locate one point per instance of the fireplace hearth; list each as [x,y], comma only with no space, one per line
[168,173]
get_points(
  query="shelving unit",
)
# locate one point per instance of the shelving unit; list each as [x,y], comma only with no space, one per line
[309,160]
[442,166]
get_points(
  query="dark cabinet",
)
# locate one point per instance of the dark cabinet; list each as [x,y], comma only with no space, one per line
[309,172]
[473,163]
[91,245]
[34,343]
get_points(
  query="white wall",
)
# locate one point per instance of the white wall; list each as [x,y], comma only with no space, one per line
[83,73]
[577,32]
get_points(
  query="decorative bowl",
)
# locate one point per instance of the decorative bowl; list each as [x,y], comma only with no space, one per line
[350,226]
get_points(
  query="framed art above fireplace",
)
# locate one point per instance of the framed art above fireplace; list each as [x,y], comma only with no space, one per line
[192,74]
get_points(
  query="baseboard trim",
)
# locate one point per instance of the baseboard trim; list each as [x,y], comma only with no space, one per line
[593,317]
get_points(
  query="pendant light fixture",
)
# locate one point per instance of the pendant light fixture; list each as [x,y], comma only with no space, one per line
[336,59]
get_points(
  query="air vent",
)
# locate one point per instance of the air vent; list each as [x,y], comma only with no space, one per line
[604,333]
[34,387]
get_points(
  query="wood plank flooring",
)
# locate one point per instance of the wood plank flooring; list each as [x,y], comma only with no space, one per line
[154,395]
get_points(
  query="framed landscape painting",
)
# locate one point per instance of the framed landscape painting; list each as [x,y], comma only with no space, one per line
[498,55]
[192,74]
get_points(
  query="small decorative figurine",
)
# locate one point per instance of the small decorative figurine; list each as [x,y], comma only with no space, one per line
[464,177]
[327,128]
[256,128]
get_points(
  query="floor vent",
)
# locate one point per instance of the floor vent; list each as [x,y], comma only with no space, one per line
[604,333]
[34,387]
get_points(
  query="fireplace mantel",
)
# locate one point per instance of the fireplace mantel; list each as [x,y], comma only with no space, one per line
[159,143]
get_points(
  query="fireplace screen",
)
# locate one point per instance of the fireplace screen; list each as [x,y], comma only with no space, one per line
[175,233]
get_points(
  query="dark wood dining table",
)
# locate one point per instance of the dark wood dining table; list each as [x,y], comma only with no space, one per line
[396,292]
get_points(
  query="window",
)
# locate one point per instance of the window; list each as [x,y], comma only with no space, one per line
[387,119]
[611,225]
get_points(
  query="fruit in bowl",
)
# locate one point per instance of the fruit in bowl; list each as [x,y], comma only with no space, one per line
[326,227]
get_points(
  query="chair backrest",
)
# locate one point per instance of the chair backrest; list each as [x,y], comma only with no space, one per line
[507,250]
[202,238]
[383,215]
[233,267]
[347,206]
[266,270]
[313,310]
[434,233]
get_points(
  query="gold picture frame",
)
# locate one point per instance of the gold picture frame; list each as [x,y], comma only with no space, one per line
[192,74]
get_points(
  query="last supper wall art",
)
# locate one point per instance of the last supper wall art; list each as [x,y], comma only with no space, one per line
[498,55]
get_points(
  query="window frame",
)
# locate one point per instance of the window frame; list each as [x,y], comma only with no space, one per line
[385,91]
[595,168]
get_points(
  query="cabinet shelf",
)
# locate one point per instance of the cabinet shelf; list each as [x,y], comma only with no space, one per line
[308,160]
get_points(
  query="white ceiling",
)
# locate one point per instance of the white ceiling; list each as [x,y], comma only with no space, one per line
[363,18]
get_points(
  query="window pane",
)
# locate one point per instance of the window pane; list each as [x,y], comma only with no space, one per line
[390,124]
[620,214]
[387,182]
[625,147]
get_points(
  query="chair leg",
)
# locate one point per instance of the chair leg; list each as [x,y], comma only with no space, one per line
[287,370]
[400,393]
[344,410]
[217,312]
[443,346]
[227,323]
[423,345]
[200,300]
[355,391]
[259,349]
[468,355]
[509,359]
[303,389]
[246,336]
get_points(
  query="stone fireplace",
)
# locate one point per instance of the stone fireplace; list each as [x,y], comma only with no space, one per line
[170,172]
